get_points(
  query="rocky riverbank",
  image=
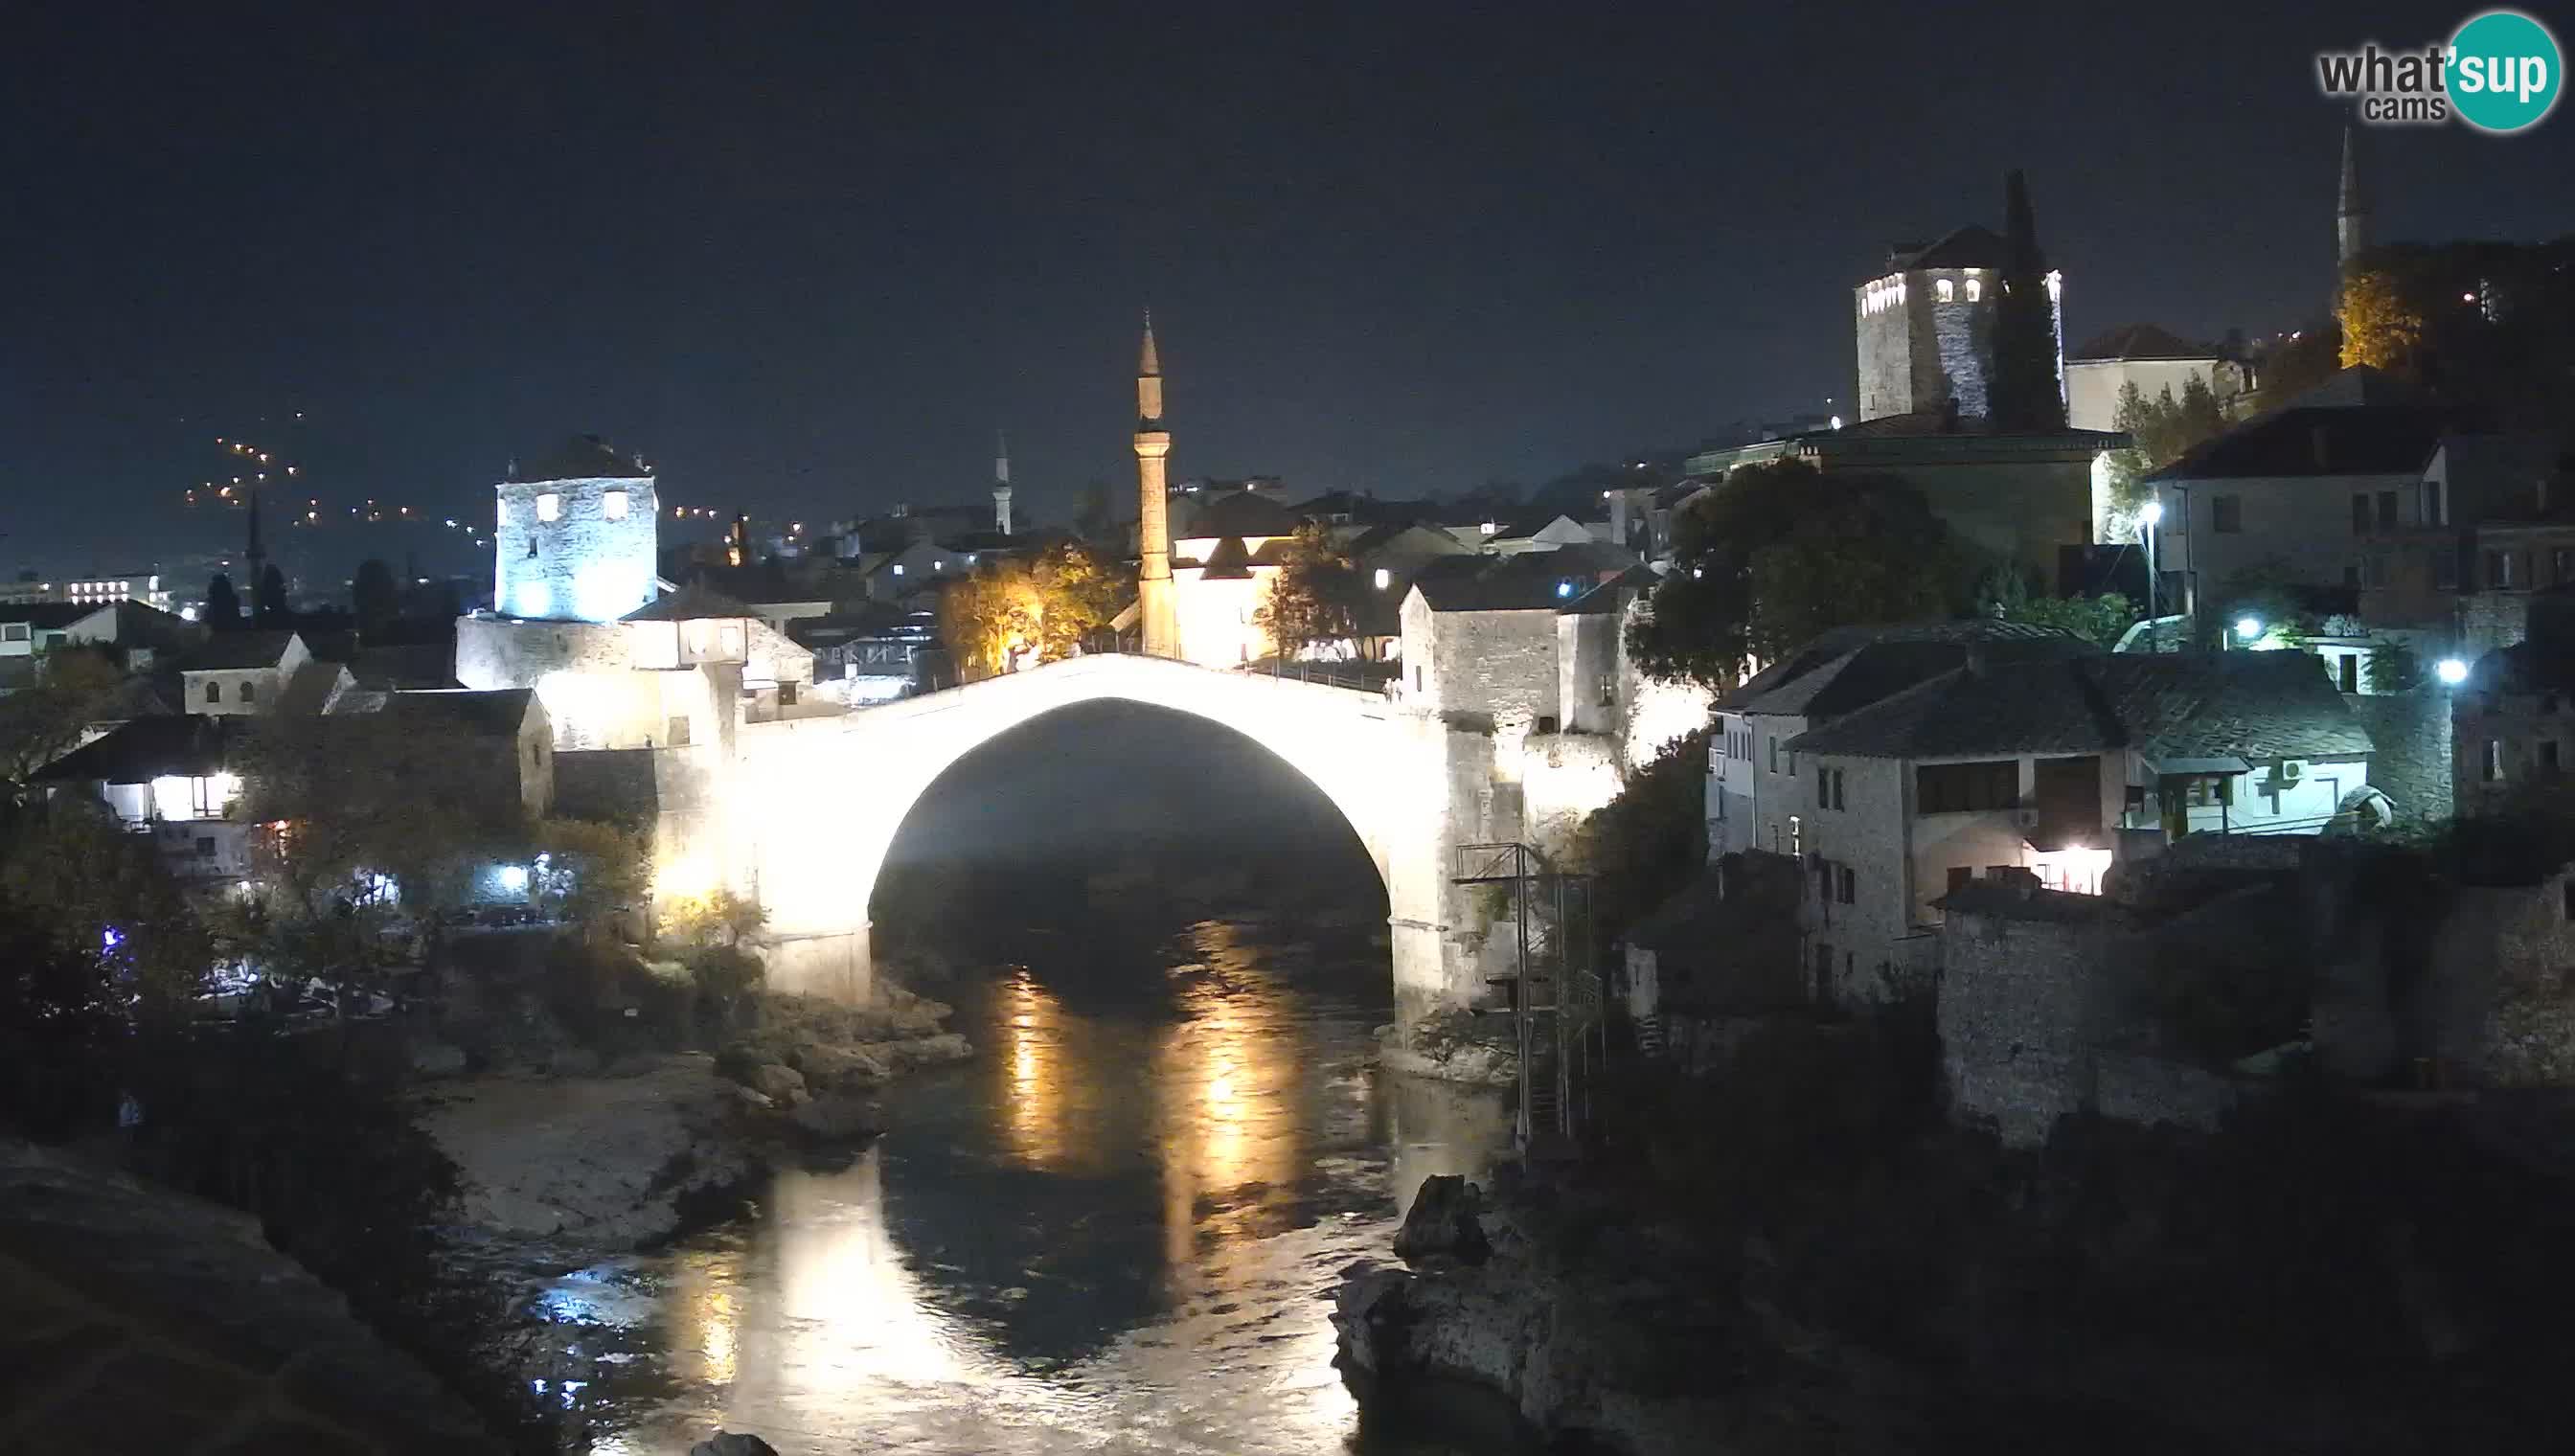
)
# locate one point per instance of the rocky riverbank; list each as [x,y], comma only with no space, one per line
[589,1159]
[1452,1046]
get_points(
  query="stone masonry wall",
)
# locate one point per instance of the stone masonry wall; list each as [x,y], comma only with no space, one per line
[1498,663]
[2411,765]
[2014,1021]
[581,564]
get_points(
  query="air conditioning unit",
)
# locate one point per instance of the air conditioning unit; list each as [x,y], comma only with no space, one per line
[2290,770]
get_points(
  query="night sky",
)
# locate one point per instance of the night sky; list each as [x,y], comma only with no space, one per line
[808,260]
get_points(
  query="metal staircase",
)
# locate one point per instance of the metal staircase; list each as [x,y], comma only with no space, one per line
[1551,992]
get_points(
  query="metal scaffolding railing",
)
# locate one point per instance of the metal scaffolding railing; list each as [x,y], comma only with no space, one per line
[1551,991]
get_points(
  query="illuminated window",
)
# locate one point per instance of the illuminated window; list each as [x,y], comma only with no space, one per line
[612,503]
[898,569]
[1384,577]
[1948,291]
[1975,289]
[549,507]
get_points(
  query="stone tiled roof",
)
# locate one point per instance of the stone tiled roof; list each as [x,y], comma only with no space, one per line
[1535,581]
[581,458]
[2141,341]
[2252,706]
[492,711]
[49,615]
[239,651]
[689,604]
[2321,441]
[188,744]
[1767,690]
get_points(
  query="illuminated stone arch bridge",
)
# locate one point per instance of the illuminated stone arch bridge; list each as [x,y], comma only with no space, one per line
[814,803]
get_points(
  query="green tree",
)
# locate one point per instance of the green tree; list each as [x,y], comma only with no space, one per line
[592,869]
[2103,619]
[2028,394]
[2162,430]
[1651,838]
[223,603]
[373,598]
[1754,533]
[719,917]
[1876,554]
[1045,608]
[1316,597]
[271,602]
[104,899]
[2392,667]
[75,688]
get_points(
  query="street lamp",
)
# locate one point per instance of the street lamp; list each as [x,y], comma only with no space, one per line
[2152,516]
[2451,670]
[2248,628]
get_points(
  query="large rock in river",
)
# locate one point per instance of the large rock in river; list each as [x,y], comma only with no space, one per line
[1442,1224]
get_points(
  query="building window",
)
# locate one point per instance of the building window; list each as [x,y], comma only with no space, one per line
[214,692]
[2351,666]
[612,503]
[1417,679]
[2445,569]
[786,694]
[549,506]
[2548,756]
[249,691]
[205,847]
[2387,510]
[1948,290]
[13,631]
[1774,755]
[2208,791]
[1966,787]
[1845,883]
[2227,514]
[1796,838]
[2499,568]
[2561,564]
[1975,289]
[1837,788]
[1961,876]
[2359,513]
[1823,971]
[2490,764]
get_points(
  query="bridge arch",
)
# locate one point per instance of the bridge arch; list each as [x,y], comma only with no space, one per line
[816,803]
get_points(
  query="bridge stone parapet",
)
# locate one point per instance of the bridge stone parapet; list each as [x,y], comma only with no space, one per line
[814,803]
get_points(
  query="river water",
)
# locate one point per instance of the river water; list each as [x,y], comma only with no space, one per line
[1117,1229]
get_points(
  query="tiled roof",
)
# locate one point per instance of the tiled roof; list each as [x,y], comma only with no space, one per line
[1534,581]
[239,651]
[1241,513]
[1972,245]
[1227,560]
[580,457]
[186,745]
[1759,693]
[689,604]
[2141,341]
[2322,440]
[50,615]
[497,711]
[2252,706]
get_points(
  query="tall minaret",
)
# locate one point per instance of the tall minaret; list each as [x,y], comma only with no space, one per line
[2351,215]
[1154,608]
[1002,482]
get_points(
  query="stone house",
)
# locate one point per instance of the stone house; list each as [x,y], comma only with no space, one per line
[2154,360]
[244,672]
[2055,770]
[2327,491]
[502,744]
[170,776]
[2492,527]
[1753,797]
[2020,498]
[2512,726]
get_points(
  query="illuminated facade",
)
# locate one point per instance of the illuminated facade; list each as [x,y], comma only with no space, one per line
[575,537]
[1157,615]
[817,803]
[1925,325]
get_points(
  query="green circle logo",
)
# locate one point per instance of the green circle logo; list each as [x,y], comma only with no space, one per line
[2504,71]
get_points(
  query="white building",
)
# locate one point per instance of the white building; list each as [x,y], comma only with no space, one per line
[2318,489]
[2155,361]
[1754,798]
[2053,768]
[238,672]
[576,536]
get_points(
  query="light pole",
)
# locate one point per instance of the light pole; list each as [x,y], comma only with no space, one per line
[2153,515]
